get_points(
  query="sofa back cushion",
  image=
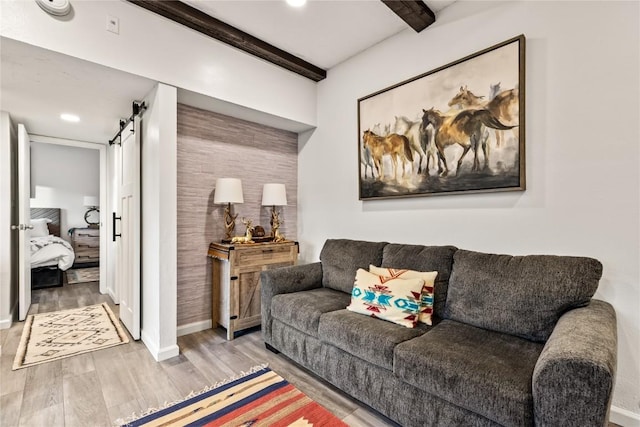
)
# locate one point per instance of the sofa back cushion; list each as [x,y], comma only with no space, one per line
[519,295]
[341,258]
[423,258]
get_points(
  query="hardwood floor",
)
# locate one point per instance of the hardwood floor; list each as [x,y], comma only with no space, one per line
[98,388]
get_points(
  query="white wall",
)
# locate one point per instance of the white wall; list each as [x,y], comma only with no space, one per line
[60,178]
[159,224]
[154,47]
[8,296]
[582,153]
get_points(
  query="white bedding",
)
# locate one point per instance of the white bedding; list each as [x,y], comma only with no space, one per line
[50,251]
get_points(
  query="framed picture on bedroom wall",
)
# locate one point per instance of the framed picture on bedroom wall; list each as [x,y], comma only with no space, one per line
[456,129]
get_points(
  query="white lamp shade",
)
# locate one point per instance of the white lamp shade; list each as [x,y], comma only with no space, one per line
[228,190]
[91,201]
[274,195]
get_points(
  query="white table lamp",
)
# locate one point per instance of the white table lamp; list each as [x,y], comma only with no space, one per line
[274,195]
[228,190]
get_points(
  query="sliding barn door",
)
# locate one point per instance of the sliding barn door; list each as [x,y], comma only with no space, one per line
[128,244]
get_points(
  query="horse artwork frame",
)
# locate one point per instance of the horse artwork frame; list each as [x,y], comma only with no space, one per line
[459,128]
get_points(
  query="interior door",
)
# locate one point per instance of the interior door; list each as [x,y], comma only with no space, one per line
[128,247]
[24,221]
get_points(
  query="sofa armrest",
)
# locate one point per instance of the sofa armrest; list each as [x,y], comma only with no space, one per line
[286,280]
[574,376]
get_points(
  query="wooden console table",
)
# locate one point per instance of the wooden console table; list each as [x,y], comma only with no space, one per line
[235,273]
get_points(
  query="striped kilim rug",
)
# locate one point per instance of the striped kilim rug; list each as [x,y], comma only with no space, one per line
[259,398]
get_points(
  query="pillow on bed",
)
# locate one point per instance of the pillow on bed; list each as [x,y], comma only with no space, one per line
[40,228]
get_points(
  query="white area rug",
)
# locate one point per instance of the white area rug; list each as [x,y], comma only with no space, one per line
[60,334]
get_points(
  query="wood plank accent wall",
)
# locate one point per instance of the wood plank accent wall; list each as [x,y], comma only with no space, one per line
[212,146]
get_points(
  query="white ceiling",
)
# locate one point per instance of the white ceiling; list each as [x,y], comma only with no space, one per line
[37,85]
[322,32]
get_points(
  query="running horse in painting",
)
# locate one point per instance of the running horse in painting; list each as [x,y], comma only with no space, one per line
[464,129]
[397,146]
[503,105]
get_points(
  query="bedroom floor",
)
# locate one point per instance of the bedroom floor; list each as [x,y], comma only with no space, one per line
[97,388]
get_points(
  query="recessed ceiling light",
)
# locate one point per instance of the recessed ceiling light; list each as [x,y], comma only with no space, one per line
[296,3]
[69,117]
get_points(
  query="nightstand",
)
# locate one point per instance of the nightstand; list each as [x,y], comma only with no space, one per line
[86,245]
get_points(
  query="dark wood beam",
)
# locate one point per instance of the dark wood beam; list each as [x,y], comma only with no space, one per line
[414,12]
[212,27]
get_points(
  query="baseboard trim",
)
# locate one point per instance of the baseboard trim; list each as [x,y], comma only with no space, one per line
[113,296]
[168,352]
[159,354]
[194,327]
[624,417]
[6,323]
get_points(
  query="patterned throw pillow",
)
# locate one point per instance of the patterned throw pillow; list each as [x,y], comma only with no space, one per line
[429,277]
[392,299]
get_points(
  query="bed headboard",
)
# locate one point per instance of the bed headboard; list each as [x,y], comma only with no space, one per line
[51,213]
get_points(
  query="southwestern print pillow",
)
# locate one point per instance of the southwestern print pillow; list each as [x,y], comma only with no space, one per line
[392,299]
[429,277]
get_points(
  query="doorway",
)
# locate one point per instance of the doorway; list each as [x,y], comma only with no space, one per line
[71,176]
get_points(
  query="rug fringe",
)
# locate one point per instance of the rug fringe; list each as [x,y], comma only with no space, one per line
[133,417]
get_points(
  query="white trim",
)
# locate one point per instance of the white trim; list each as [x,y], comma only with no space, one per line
[194,327]
[159,354]
[113,296]
[6,323]
[102,148]
[624,417]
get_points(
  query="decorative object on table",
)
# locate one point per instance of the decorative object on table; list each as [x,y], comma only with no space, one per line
[83,275]
[59,334]
[456,129]
[277,237]
[92,215]
[274,195]
[248,235]
[228,190]
[257,397]
[258,231]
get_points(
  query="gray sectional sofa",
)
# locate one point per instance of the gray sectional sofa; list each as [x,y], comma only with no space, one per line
[516,341]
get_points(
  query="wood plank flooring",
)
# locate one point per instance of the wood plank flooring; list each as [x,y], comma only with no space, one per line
[98,388]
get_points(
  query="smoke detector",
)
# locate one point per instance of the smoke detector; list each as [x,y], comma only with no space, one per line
[55,7]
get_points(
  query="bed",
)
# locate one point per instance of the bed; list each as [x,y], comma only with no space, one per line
[50,254]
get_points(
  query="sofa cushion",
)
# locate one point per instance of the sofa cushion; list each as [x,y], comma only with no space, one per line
[341,258]
[366,338]
[483,371]
[426,297]
[423,258]
[391,299]
[519,295]
[302,310]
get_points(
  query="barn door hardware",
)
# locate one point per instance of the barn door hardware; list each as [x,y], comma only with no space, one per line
[137,108]
[114,218]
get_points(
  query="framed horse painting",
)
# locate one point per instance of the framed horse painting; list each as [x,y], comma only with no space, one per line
[456,129]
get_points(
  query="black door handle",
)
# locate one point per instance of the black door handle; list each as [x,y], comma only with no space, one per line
[114,226]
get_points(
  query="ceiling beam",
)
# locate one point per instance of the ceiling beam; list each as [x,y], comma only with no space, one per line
[199,21]
[414,12]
